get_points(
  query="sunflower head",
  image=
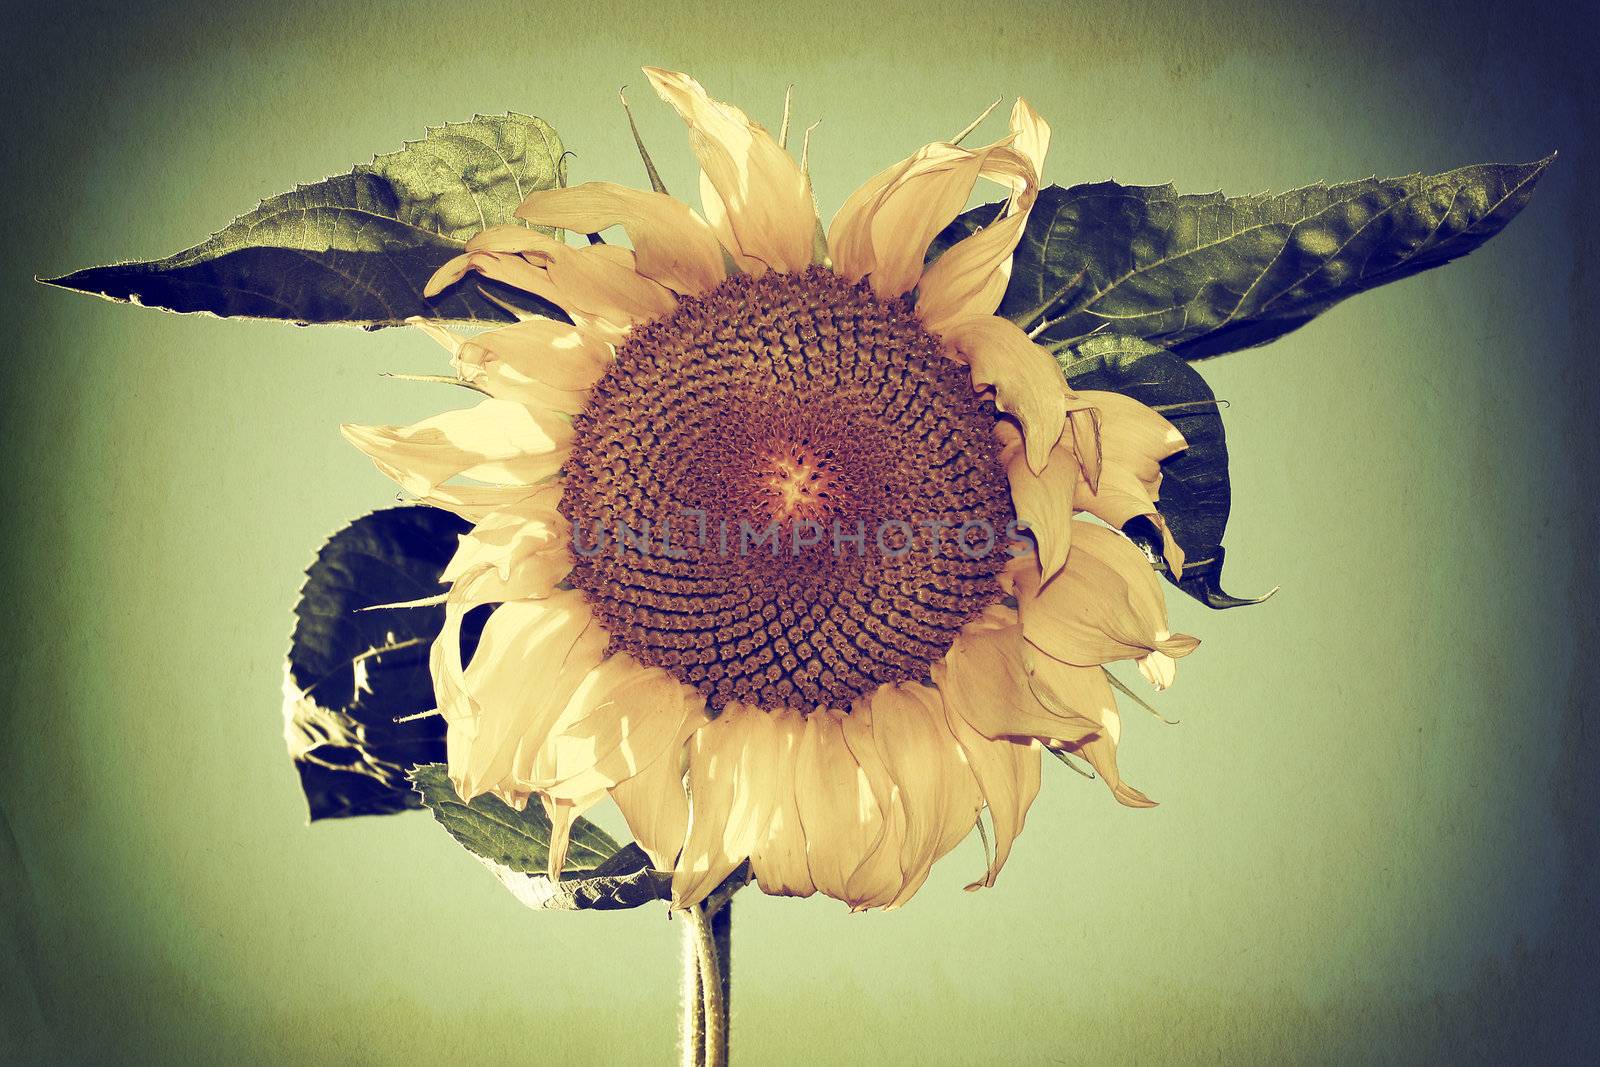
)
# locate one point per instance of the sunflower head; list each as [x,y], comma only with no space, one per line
[780,531]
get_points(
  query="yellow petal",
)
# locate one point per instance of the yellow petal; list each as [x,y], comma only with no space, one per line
[562,814]
[884,230]
[655,803]
[1087,691]
[538,362]
[779,859]
[505,538]
[984,680]
[850,235]
[937,792]
[767,199]
[1026,379]
[1007,773]
[878,879]
[732,794]
[474,502]
[532,655]
[1105,605]
[837,809]
[620,719]
[498,441]
[599,286]
[716,216]
[969,279]
[1041,501]
[1032,135]
[1133,440]
[674,246]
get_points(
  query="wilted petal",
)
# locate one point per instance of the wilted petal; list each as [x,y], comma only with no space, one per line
[620,719]
[837,809]
[1086,691]
[1026,379]
[1007,773]
[498,441]
[655,803]
[1133,440]
[1041,501]
[878,880]
[937,792]
[766,197]
[732,794]
[883,231]
[779,860]
[969,279]
[984,680]
[1105,605]
[674,246]
[531,657]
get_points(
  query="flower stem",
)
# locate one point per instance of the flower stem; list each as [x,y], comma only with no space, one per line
[706,983]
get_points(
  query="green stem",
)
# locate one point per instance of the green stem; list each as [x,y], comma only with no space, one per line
[706,983]
[691,1023]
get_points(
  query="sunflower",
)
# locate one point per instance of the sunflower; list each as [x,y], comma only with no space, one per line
[778,531]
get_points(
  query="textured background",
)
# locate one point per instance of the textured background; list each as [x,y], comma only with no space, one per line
[1377,839]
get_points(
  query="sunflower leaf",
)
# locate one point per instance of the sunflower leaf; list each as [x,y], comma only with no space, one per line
[357,248]
[1205,274]
[1195,495]
[495,831]
[355,678]
[599,875]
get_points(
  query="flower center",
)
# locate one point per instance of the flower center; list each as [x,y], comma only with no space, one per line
[785,494]
[799,482]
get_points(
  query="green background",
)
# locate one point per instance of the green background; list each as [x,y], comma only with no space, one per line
[1377,838]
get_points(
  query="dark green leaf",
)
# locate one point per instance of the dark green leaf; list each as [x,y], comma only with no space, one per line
[358,248]
[623,881]
[352,673]
[492,829]
[1207,274]
[515,845]
[1194,486]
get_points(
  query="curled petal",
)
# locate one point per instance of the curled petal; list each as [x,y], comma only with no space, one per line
[838,811]
[597,285]
[732,795]
[1032,136]
[1026,379]
[984,680]
[716,216]
[654,801]
[539,362]
[531,658]
[1105,605]
[938,794]
[674,246]
[971,277]
[601,284]
[1041,501]
[879,879]
[513,554]
[1007,773]
[884,229]
[767,199]
[1086,692]
[619,720]
[476,502]
[562,814]
[1132,440]
[498,441]
[779,860]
